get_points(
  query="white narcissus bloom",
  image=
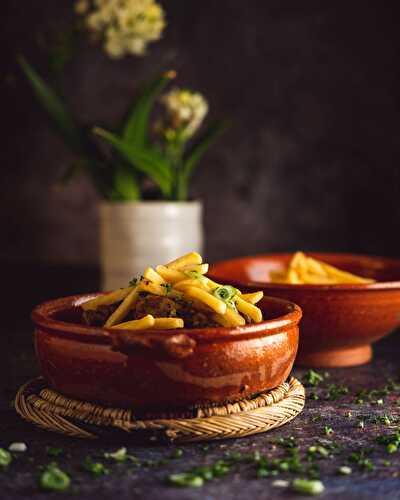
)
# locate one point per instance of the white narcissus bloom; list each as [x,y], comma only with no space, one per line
[126,26]
[186,110]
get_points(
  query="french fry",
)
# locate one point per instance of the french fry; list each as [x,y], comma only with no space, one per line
[278,276]
[167,323]
[192,258]
[299,261]
[107,299]
[253,298]
[197,293]
[153,276]
[170,275]
[136,324]
[231,318]
[315,267]
[199,268]
[154,288]
[344,276]
[251,310]
[123,309]
[314,279]
[181,285]
[293,277]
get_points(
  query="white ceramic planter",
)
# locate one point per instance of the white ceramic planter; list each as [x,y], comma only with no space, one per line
[134,235]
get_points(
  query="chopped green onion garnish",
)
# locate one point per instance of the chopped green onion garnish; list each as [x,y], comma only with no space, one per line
[54,479]
[186,479]
[96,468]
[5,457]
[308,487]
[121,455]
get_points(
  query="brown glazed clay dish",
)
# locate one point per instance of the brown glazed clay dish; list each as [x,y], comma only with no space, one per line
[339,321]
[156,371]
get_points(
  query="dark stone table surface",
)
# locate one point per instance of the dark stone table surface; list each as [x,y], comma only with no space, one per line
[341,426]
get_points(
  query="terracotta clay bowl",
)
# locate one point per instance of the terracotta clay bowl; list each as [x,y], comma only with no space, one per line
[159,371]
[340,322]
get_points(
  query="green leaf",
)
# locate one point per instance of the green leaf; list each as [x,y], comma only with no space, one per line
[193,157]
[198,150]
[147,161]
[53,104]
[136,126]
[125,184]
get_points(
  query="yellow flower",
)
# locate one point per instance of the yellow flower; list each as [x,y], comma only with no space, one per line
[186,111]
[126,26]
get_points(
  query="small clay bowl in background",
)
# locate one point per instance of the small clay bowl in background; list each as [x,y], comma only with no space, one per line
[156,372]
[340,322]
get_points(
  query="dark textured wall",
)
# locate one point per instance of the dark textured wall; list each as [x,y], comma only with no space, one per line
[312,161]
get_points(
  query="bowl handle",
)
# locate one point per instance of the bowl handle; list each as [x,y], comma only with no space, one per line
[178,345]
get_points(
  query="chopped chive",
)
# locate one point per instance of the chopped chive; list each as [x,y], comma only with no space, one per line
[186,479]
[54,479]
[5,458]
[308,487]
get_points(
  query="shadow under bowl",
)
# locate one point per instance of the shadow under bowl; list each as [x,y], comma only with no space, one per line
[159,371]
[340,322]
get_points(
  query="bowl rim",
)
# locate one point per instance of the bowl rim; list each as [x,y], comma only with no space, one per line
[378,285]
[41,317]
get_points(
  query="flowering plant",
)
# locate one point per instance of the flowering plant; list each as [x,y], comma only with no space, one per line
[167,153]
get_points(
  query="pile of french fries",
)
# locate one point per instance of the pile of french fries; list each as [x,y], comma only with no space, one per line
[184,278]
[306,270]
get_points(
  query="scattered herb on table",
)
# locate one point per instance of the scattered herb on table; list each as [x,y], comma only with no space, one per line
[313,378]
[120,455]
[334,392]
[5,458]
[54,479]
[308,487]
[328,430]
[391,441]
[95,468]
[53,451]
[196,477]
[360,458]
[177,453]
[186,479]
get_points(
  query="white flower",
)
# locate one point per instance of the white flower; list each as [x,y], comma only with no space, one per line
[186,110]
[126,26]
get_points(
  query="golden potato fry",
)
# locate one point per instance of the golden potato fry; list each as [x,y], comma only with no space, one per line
[153,276]
[251,310]
[199,268]
[167,323]
[197,293]
[253,298]
[154,288]
[123,309]
[170,275]
[137,324]
[344,276]
[192,258]
[231,318]
[107,299]
[181,285]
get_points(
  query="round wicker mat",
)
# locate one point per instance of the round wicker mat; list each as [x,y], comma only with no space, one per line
[54,412]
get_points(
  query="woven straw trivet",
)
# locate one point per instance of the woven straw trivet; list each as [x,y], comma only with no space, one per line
[54,412]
